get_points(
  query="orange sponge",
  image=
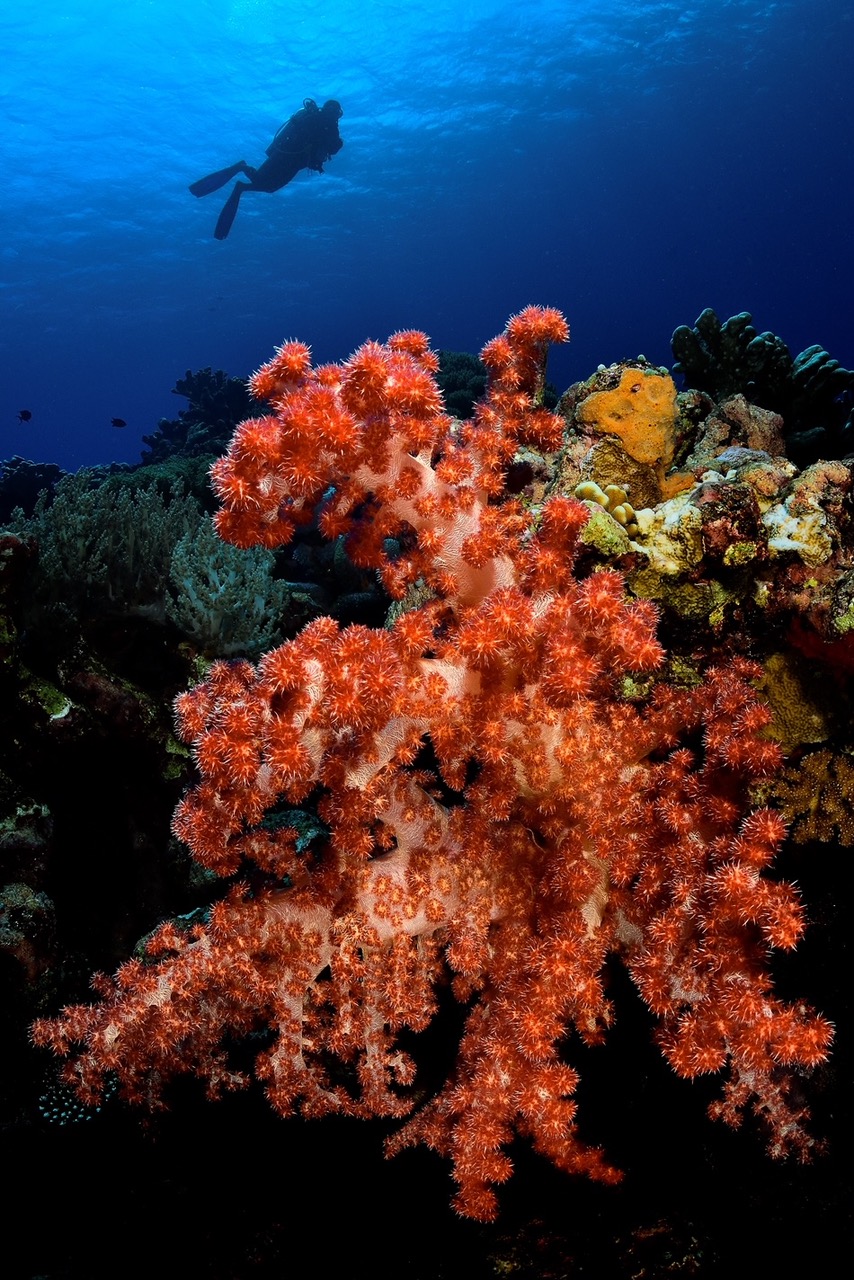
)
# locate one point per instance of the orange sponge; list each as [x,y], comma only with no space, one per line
[641,411]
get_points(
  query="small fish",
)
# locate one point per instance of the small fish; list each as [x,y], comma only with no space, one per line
[24,415]
[118,422]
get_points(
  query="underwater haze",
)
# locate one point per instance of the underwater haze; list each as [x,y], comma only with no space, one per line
[630,163]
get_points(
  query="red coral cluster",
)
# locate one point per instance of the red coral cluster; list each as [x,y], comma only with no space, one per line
[500,817]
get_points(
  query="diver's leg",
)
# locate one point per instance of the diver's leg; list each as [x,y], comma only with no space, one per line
[229,210]
[214,181]
[274,173]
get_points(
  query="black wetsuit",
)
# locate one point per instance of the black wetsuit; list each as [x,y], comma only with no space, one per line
[306,141]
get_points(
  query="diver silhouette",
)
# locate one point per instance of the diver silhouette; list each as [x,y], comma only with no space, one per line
[305,141]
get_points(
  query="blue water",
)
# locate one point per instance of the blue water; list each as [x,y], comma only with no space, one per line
[630,163]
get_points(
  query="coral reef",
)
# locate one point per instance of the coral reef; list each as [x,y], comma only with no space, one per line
[734,535]
[811,391]
[119,548]
[22,482]
[217,403]
[745,548]
[103,547]
[510,791]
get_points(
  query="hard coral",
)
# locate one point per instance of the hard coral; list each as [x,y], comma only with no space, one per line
[216,404]
[812,391]
[499,818]
[814,794]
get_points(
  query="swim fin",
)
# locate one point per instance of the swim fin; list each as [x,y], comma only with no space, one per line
[214,181]
[229,211]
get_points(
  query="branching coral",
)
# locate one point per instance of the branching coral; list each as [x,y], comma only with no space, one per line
[216,404]
[815,796]
[104,547]
[225,599]
[498,817]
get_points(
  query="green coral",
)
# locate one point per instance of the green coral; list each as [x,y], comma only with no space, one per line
[740,553]
[103,548]
[603,532]
[40,694]
[133,550]
[842,618]
[222,597]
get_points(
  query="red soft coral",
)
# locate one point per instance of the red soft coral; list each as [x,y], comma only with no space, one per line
[495,812]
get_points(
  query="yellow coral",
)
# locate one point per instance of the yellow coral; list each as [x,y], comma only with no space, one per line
[799,700]
[614,498]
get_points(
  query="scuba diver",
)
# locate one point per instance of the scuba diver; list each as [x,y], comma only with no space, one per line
[305,141]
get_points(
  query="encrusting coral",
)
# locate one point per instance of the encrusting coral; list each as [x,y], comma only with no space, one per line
[499,817]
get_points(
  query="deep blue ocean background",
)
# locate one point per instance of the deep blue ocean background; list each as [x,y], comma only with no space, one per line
[630,163]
